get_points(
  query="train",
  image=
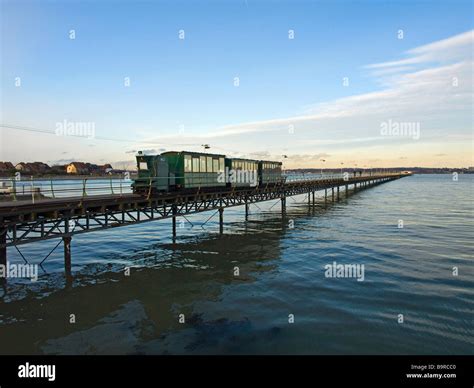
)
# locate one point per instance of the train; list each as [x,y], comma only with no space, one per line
[189,171]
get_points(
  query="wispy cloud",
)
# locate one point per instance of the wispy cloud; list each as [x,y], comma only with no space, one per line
[443,86]
[448,50]
[437,93]
[431,86]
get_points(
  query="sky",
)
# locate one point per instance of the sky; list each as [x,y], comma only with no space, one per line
[372,83]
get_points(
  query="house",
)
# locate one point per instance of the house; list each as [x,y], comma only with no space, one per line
[78,168]
[39,167]
[6,167]
[58,169]
[106,168]
[112,171]
[95,169]
[32,168]
[21,167]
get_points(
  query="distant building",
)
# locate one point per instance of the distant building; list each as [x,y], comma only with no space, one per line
[21,167]
[107,168]
[81,168]
[98,169]
[112,171]
[58,169]
[33,168]
[6,167]
[77,168]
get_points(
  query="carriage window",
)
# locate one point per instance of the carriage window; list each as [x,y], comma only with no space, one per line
[215,165]
[202,163]
[209,164]
[143,166]
[195,165]
[188,167]
[221,164]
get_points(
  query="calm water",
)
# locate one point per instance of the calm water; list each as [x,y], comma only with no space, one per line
[408,271]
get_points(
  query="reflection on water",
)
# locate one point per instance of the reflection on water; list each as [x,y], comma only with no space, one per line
[281,272]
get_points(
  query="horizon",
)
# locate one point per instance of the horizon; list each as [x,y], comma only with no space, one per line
[256,80]
[375,167]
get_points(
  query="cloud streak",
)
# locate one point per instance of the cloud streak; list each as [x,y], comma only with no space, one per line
[432,87]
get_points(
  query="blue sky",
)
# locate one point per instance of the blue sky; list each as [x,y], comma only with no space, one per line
[190,82]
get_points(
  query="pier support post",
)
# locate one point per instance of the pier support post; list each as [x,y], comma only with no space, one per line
[325,195]
[283,206]
[221,220]
[338,193]
[174,223]
[3,256]
[332,193]
[246,211]
[67,259]
[347,191]
[314,198]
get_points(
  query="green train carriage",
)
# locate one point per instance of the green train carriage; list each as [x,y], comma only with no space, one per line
[269,173]
[174,170]
[245,172]
[153,173]
[186,170]
[195,169]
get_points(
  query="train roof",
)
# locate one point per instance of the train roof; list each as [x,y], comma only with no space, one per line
[245,159]
[192,153]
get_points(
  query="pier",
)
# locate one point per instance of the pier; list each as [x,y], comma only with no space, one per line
[23,222]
